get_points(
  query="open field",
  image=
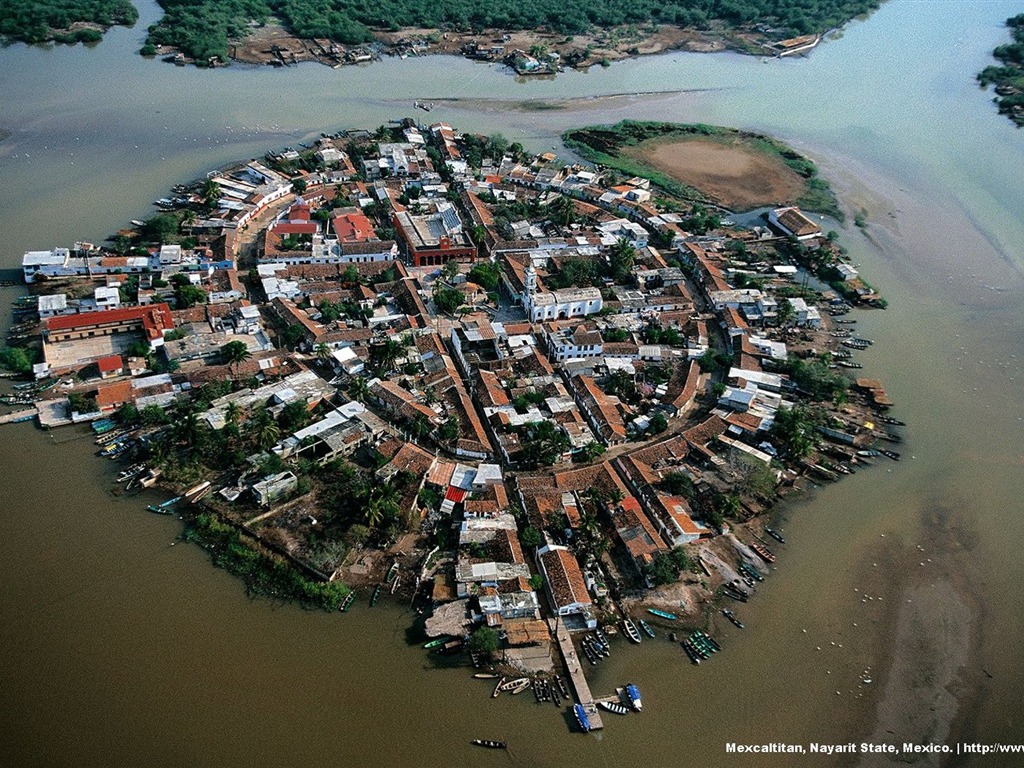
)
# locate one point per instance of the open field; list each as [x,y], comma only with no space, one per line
[728,173]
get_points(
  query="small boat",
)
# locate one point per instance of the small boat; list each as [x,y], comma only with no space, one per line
[392,572]
[691,652]
[708,640]
[519,682]
[438,643]
[634,697]
[521,688]
[131,472]
[581,717]
[562,686]
[732,617]
[498,687]
[193,493]
[347,602]
[868,454]
[891,420]
[611,706]
[489,744]
[556,697]
[485,676]
[631,631]
[646,628]
[865,342]
[775,535]
[889,454]
[165,508]
[662,614]
[763,552]
[376,596]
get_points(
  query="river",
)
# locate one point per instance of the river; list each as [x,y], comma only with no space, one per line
[121,645]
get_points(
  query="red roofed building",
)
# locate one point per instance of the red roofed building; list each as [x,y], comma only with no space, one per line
[565,585]
[152,320]
[110,366]
[353,228]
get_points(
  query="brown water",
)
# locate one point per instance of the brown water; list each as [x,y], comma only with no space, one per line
[123,646]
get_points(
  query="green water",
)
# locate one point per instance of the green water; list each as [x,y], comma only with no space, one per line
[120,649]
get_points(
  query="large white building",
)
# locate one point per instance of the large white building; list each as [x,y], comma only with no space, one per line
[558,305]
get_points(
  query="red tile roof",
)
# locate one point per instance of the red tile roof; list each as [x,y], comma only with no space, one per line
[110,363]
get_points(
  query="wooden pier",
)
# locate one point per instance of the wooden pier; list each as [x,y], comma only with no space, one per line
[575,670]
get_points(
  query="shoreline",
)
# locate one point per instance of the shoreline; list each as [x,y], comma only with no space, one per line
[272,45]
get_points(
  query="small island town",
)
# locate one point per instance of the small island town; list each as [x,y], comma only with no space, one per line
[548,405]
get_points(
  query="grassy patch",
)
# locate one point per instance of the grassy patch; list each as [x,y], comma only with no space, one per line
[264,573]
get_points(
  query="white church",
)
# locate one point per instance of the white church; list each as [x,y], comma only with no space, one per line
[558,305]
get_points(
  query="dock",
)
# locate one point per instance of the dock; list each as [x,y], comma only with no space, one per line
[11,418]
[575,671]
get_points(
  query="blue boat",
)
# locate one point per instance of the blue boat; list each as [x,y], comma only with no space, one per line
[662,614]
[634,697]
[581,717]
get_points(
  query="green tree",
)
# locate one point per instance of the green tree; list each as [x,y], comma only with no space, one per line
[210,192]
[658,424]
[188,295]
[234,354]
[263,429]
[17,359]
[531,537]
[536,582]
[448,300]
[621,258]
[293,416]
[357,389]
[450,270]
[384,354]
[484,640]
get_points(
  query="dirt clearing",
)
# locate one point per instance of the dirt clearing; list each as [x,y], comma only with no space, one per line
[730,174]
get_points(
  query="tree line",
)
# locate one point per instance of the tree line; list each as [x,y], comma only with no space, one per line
[202,28]
[36,21]
[1009,77]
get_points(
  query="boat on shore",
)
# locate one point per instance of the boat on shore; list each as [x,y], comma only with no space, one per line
[489,744]
[497,688]
[436,643]
[581,717]
[511,685]
[691,652]
[631,631]
[485,676]
[633,693]
[376,596]
[646,628]
[611,706]
[763,552]
[347,602]
[662,614]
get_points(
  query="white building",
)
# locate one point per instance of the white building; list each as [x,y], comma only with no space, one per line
[558,305]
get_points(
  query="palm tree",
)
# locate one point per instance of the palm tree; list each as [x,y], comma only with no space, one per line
[563,211]
[357,389]
[382,504]
[235,352]
[385,354]
[210,193]
[265,430]
[233,413]
[187,428]
[323,352]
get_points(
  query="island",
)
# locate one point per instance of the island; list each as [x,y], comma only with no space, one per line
[545,404]
[1008,78]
